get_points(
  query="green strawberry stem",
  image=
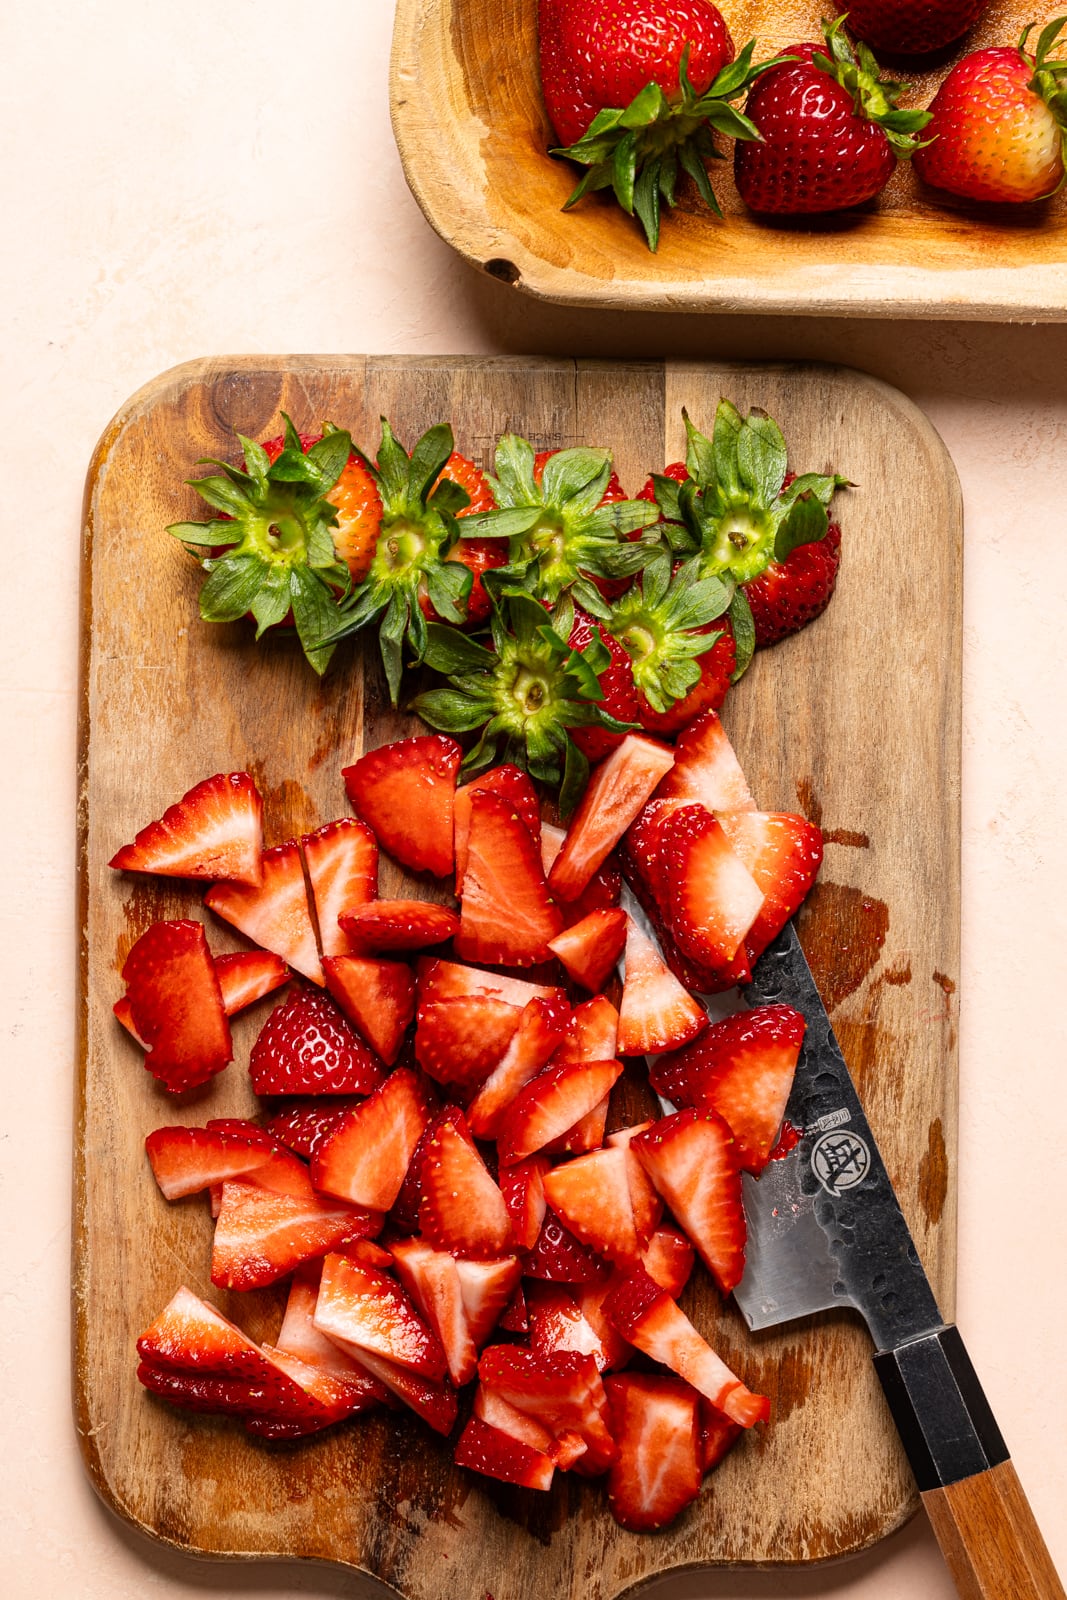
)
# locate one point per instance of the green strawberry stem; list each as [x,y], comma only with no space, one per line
[657,621]
[874,97]
[1049,81]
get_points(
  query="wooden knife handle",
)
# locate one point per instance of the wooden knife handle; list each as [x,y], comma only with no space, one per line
[977,1508]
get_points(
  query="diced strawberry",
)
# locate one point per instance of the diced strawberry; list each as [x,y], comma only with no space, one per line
[246,976]
[658,1470]
[299,1337]
[691,1158]
[305,1125]
[513,1318]
[669,1260]
[558,1257]
[462,1209]
[189,1335]
[485,1449]
[276,915]
[342,868]
[645,1203]
[487,1288]
[434,1400]
[552,1104]
[713,899]
[592,1197]
[398,925]
[493,1409]
[563,1390]
[647,1316]
[337,1398]
[613,1348]
[461,1040]
[371,1312]
[261,1235]
[187,1160]
[614,795]
[589,949]
[176,1005]
[743,1068]
[404,1212]
[306,1046]
[640,858]
[506,916]
[783,853]
[540,1029]
[587,1133]
[378,996]
[558,1322]
[515,787]
[406,792]
[450,980]
[524,1195]
[593,1034]
[283,1173]
[214,831]
[367,1157]
[601,893]
[706,771]
[655,1013]
[718,1435]
[431,1278]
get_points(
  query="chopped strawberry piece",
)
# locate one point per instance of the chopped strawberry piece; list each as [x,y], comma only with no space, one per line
[592,1197]
[406,792]
[342,868]
[487,1288]
[706,771]
[558,1257]
[246,976]
[783,853]
[450,980]
[283,1173]
[367,1157]
[515,787]
[404,1213]
[656,1013]
[658,1470]
[718,1435]
[337,1399]
[645,1202]
[640,857]
[462,1209]
[589,949]
[513,1318]
[614,795]
[552,1104]
[176,1005]
[378,996]
[539,1031]
[587,1133]
[398,925]
[276,915]
[492,1408]
[614,1350]
[669,1260]
[691,1158]
[524,1195]
[506,916]
[485,1449]
[306,1046]
[189,1335]
[743,1068]
[261,1235]
[431,1399]
[431,1278]
[214,831]
[593,1034]
[304,1126]
[713,899]
[563,1390]
[558,1322]
[372,1313]
[461,1040]
[299,1336]
[186,1160]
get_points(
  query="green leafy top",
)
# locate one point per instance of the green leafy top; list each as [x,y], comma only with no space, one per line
[873,96]
[271,551]
[1050,79]
[558,531]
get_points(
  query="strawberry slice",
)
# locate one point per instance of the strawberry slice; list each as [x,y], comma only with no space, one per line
[655,1013]
[306,1046]
[691,1158]
[283,1173]
[506,916]
[366,1158]
[176,1005]
[587,1133]
[558,1321]
[298,1336]
[492,1408]
[590,948]
[783,853]
[513,1318]
[431,1399]
[592,1197]
[558,1257]
[371,1313]
[712,897]
[305,1125]
[451,980]
[342,867]
[189,1335]
[647,1316]
[655,1422]
[460,1041]
[563,1390]
[246,976]
[523,1189]
[645,1203]
[398,925]
[276,915]
[718,1435]
[487,1288]
[593,1034]
[462,1209]
[602,891]
[186,1160]
[214,831]
[669,1260]
[406,792]
[404,1213]
[540,1029]
[431,1278]
[494,1454]
[743,1068]
[336,1398]
[552,1104]
[378,996]
[261,1235]
[515,787]
[706,771]
[614,795]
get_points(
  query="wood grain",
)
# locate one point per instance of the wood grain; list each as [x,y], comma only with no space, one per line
[473,136]
[989,1538]
[841,722]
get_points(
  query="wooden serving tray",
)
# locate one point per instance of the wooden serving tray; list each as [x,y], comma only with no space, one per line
[856,721]
[473,136]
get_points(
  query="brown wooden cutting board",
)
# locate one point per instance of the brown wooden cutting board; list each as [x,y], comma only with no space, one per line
[856,722]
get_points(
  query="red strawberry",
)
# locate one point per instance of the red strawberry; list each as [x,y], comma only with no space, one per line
[645,1203]
[563,1448]
[998,123]
[477,555]
[398,925]
[487,1450]
[540,1029]
[431,1278]
[460,1041]
[655,1421]
[669,1260]
[378,996]
[276,915]
[371,1312]
[656,1013]
[550,1105]
[558,1321]
[367,1157]
[246,976]
[304,1126]
[176,1005]
[342,867]
[515,786]
[586,1134]
[593,1034]
[563,1390]
[404,1212]
[616,680]
[718,1434]
[262,1235]
[558,1257]
[691,1158]
[487,1288]
[617,790]
[706,770]
[589,949]
[506,915]
[640,857]
[830,130]
[186,1160]
[713,899]
[434,1400]
[449,980]
[912,27]
[601,893]
[307,1047]
[406,792]
[792,593]
[299,1337]
[523,1188]
[214,831]
[592,1197]
[462,1209]
[783,853]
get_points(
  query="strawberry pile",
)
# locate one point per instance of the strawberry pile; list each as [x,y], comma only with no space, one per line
[464,1220]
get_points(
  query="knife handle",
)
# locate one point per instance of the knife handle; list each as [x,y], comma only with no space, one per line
[980,1516]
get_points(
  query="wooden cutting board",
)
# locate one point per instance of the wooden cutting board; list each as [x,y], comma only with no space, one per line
[856,722]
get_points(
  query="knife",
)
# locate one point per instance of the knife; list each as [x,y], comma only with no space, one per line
[825,1230]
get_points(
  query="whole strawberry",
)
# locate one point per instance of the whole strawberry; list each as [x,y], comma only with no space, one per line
[912,27]
[634,89]
[998,123]
[830,131]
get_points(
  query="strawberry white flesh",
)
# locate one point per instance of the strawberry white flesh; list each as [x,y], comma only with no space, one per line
[276,915]
[658,1471]
[214,831]
[431,1278]
[614,795]
[186,1160]
[706,770]
[366,1159]
[656,1013]
[342,867]
[691,1158]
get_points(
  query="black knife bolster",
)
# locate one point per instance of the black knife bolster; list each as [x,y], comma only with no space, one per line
[943,1417]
